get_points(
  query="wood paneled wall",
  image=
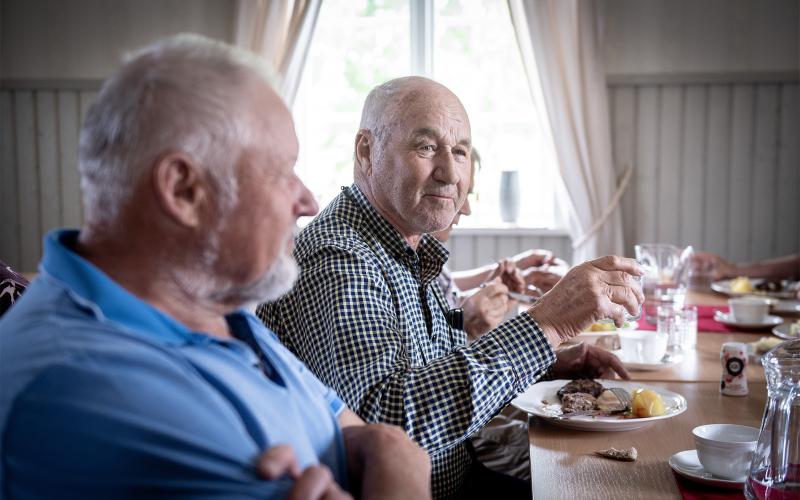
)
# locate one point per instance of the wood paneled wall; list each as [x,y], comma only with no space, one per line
[717,163]
[39,183]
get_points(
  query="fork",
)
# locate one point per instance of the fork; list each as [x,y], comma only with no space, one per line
[621,394]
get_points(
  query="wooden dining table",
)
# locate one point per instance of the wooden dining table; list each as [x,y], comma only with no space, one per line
[563,463]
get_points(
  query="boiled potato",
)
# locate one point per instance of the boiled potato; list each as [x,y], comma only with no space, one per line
[741,285]
[646,403]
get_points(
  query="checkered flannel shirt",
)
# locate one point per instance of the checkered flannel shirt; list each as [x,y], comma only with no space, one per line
[367,316]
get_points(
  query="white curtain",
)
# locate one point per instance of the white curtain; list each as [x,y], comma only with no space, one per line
[559,43]
[281,31]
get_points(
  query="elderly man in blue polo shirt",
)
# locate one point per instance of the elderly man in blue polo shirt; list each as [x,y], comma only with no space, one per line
[129,369]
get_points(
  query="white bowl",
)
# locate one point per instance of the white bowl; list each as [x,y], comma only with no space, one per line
[749,309]
[642,346]
[725,450]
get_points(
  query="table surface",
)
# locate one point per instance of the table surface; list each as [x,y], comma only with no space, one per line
[563,464]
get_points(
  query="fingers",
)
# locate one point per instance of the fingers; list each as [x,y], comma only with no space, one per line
[277,462]
[316,483]
[617,263]
[609,364]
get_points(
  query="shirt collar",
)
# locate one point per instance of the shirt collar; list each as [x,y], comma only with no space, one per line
[431,253]
[108,301]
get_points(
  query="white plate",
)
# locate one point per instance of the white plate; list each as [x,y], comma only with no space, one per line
[724,286]
[727,319]
[644,367]
[786,307]
[541,400]
[783,331]
[686,464]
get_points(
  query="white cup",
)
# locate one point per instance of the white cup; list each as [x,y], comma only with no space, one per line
[749,309]
[725,450]
[642,347]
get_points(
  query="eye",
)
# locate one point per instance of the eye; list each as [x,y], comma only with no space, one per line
[427,149]
[460,152]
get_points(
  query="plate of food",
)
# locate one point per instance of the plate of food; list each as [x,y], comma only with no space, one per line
[788,331]
[782,289]
[556,401]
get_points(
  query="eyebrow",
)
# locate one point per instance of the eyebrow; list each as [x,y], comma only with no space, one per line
[434,134]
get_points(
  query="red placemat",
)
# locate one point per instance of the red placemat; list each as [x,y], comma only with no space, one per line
[691,490]
[705,320]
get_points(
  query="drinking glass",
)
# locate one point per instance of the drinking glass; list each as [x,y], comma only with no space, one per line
[688,326]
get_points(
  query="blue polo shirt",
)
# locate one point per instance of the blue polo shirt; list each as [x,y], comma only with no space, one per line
[105,396]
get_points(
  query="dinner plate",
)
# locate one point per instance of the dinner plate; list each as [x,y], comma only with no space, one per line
[645,367]
[727,319]
[784,331]
[686,464]
[724,286]
[541,400]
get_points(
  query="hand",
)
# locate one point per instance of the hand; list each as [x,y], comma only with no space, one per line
[602,288]
[533,258]
[543,280]
[712,264]
[485,309]
[315,482]
[386,463]
[587,361]
[509,275]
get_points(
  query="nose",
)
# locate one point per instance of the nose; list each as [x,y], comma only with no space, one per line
[446,167]
[305,204]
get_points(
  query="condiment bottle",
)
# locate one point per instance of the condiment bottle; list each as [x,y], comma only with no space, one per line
[733,357]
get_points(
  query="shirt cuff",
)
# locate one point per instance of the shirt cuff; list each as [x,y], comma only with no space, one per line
[527,348]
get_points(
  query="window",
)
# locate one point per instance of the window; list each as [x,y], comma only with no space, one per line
[469,46]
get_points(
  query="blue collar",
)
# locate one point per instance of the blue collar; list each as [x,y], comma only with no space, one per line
[96,291]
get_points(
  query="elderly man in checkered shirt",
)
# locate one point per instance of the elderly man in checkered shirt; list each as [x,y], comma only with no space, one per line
[368,317]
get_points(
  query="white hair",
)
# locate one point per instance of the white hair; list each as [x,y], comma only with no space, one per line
[184,93]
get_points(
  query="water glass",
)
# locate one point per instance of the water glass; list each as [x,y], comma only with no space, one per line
[688,327]
[669,323]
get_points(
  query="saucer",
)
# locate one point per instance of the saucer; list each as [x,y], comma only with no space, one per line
[645,367]
[786,307]
[686,464]
[727,319]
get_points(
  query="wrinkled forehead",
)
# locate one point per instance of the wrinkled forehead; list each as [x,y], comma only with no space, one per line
[430,109]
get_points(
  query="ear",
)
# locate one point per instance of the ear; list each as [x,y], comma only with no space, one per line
[364,143]
[180,189]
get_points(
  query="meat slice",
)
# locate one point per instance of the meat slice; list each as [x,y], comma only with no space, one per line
[584,385]
[577,401]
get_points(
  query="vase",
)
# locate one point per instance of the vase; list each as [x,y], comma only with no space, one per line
[509,196]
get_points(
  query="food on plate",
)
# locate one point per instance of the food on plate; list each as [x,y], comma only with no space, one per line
[794,328]
[608,401]
[742,284]
[577,401]
[586,386]
[764,344]
[606,326]
[769,286]
[646,403]
[626,454]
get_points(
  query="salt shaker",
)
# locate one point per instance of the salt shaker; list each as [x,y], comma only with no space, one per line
[733,357]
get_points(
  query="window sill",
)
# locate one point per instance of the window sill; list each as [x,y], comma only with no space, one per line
[508,230]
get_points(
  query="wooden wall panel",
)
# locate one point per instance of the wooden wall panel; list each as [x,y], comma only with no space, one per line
[787,212]
[692,166]
[29,224]
[47,156]
[738,200]
[733,168]
[69,120]
[9,212]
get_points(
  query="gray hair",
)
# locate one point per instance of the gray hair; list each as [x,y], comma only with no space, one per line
[184,93]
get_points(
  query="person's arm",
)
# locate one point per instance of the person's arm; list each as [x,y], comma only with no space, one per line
[786,267]
[342,320]
[101,429]
[473,278]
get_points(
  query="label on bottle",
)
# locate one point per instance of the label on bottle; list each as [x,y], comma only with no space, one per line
[733,357]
